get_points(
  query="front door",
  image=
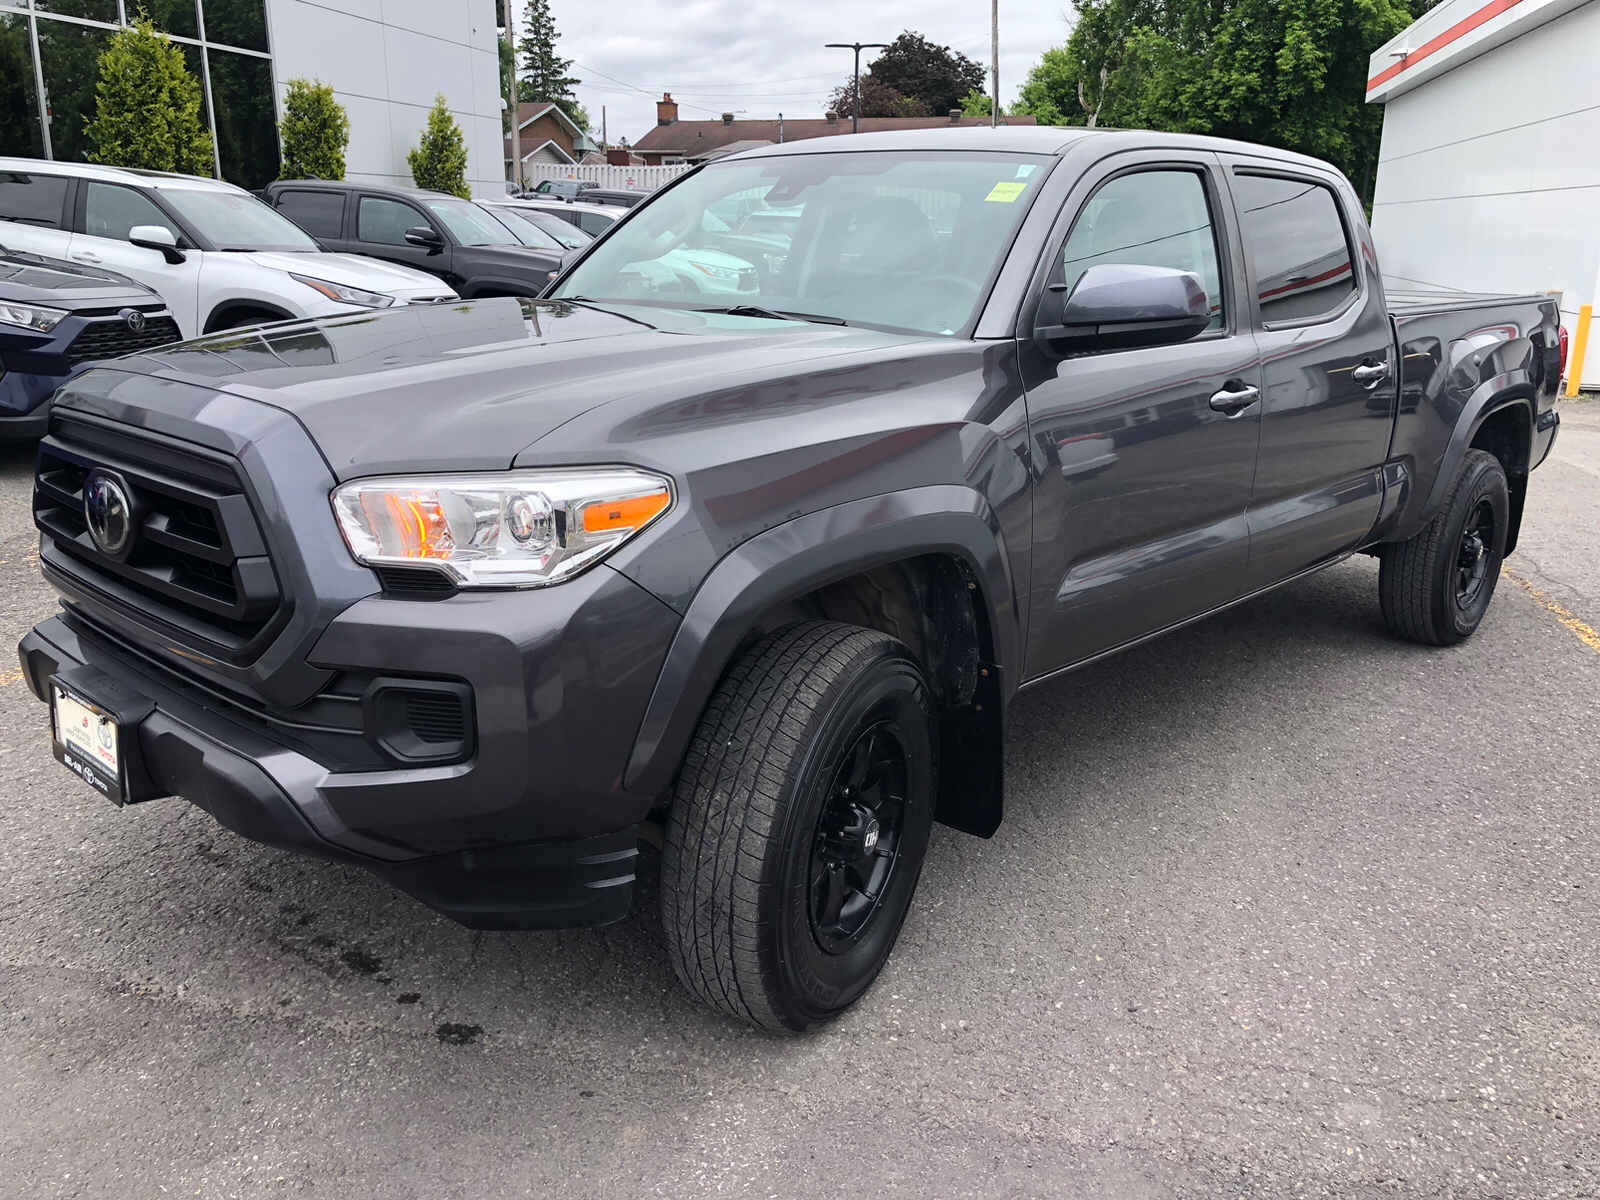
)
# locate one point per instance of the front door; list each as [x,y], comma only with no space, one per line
[380,232]
[1143,465]
[1329,387]
[109,211]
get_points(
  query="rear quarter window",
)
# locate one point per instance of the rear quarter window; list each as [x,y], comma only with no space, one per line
[1298,246]
[321,214]
[37,200]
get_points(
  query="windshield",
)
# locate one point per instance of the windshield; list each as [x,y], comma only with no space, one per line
[565,232]
[526,232]
[469,224]
[237,221]
[886,239]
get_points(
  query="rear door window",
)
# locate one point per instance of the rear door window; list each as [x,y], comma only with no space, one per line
[1149,219]
[111,211]
[1297,246]
[321,214]
[38,200]
[593,223]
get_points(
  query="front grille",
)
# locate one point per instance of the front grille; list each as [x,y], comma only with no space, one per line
[111,339]
[415,581]
[196,562]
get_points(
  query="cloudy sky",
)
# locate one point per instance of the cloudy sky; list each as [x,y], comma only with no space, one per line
[762,57]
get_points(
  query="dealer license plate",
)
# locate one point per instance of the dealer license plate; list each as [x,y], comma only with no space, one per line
[86,741]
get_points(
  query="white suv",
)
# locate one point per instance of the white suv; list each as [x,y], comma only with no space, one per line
[219,257]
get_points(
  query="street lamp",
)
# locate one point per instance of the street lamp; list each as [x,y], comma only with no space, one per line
[858,47]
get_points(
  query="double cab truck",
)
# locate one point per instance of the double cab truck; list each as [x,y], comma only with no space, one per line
[485,596]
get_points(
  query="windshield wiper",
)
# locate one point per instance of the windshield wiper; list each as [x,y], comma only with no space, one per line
[772,314]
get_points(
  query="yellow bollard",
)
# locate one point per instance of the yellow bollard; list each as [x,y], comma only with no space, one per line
[1575,367]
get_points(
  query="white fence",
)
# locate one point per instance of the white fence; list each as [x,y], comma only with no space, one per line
[644,178]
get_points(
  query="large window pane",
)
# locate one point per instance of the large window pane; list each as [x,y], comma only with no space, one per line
[236,23]
[171,16]
[93,10]
[19,104]
[247,128]
[70,55]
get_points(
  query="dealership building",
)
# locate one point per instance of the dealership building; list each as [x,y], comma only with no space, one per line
[386,61]
[1489,172]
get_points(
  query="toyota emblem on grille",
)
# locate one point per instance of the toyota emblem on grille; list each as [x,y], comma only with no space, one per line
[108,512]
[134,319]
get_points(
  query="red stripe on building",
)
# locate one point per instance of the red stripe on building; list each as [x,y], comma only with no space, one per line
[1433,45]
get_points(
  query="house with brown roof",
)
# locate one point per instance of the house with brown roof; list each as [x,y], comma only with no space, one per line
[548,136]
[675,141]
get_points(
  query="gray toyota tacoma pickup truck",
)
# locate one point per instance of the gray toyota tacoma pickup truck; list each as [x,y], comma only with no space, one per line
[484,596]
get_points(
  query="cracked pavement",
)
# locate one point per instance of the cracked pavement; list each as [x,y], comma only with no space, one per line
[1281,907]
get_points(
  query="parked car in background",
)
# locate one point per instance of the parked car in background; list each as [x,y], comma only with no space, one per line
[593,219]
[622,197]
[563,231]
[57,317]
[218,256]
[561,187]
[444,235]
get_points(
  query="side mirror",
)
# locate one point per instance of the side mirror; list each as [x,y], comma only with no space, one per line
[1122,306]
[157,237]
[429,239]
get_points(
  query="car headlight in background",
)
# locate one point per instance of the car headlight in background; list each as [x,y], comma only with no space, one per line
[344,293]
[31,316]
[725,274]
[503,529]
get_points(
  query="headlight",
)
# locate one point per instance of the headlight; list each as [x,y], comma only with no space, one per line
[505,529]
[31,316]
[344,293]
[726,274]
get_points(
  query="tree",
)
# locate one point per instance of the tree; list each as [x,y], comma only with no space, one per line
[439,162]
[936,75]
[977,104]
[1287,73]
[147,106]
[315,131]
[878,99]
[508,81]
[544,72]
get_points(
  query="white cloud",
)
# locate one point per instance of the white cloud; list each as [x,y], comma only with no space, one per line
[762,57]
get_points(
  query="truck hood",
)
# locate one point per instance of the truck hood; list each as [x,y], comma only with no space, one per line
[353,270]
[55,283]
[468,386]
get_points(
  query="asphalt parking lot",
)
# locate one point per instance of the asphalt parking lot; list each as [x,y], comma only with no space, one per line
[1281,907]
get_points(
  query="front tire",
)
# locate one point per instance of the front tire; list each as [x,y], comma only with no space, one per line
[799,825]
[1436,587]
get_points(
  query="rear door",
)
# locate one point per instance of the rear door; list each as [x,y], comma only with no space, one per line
[1329,384]
[1139,509]
[106,213]
[319,211]
[35,214]
[379,230]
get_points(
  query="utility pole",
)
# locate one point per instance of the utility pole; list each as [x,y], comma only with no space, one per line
[605,141]
[858,47]
[994,60]
[516,105]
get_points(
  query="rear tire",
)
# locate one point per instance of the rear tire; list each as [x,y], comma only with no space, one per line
[1436,587]
[799,825]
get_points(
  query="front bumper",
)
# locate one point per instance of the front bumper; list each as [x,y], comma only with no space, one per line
[534,831]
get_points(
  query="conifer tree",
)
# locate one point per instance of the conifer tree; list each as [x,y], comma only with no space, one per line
[315,132]
[147,106]
[439,162]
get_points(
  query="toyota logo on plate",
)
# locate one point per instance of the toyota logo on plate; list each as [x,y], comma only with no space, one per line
[134,319]
[108,512]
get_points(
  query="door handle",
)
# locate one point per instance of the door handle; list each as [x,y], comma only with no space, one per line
[84,256]
[1370,374]
[1234,400]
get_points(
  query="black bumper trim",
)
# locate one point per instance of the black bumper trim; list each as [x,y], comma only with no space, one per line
[528,885]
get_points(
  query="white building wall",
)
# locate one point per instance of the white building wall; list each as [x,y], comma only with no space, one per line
[386,60]
[1489,174]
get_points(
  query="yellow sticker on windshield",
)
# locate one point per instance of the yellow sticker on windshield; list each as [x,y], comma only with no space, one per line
[1006,193]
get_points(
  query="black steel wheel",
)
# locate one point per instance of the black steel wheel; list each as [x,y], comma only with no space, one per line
[799,824]
[1435,588]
